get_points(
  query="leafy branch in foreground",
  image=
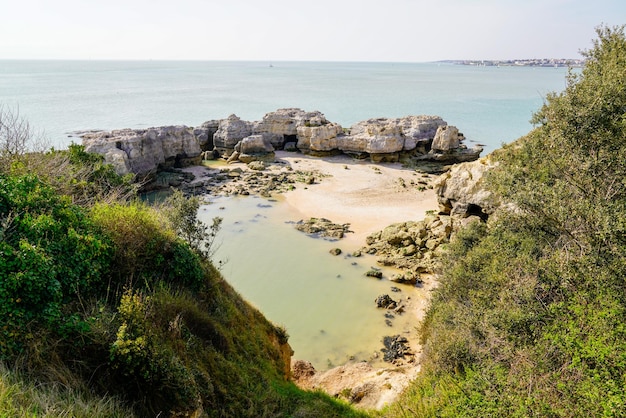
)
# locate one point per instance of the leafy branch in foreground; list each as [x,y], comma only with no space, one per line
[182,212]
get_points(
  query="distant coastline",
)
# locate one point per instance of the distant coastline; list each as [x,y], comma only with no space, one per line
[534,62]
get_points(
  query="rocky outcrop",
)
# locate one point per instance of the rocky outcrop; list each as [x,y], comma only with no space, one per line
[360,383]
[385,302]
[411,246]
[281,126]
[319,140]
[419,132]
[255,148]
[205,134]
[143,151]
[373,136]
[396,347]
[461,191]
[383,139]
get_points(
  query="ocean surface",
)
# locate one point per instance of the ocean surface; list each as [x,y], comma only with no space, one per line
[490,105]
[325,302]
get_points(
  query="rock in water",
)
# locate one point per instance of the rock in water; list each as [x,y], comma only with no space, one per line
[396,347]
[385,302]
[322,227]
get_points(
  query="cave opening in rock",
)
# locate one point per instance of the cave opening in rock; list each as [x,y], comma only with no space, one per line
[290,138]
[475,210]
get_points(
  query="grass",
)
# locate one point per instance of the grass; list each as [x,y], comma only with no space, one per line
[19,397]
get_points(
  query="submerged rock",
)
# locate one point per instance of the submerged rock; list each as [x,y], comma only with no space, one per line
[322,227]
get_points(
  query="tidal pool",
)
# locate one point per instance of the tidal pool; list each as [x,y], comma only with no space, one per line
[325,302]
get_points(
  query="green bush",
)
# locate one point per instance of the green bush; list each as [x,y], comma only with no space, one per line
[51,253]
[146,247]
[529,317]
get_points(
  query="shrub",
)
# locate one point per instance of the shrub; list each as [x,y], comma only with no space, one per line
[50,254]
[146,247]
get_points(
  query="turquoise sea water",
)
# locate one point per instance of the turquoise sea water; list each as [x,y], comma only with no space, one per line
[490,105]
[326,302]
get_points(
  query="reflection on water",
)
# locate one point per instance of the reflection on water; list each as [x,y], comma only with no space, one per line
[325,301]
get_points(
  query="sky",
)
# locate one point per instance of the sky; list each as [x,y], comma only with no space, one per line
[312,30]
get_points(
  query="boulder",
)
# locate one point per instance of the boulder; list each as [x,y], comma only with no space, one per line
[385,302]
[322,227]
[254,144]
[118,159]
[419,131]
[253,148]
[396,347]
[301,369]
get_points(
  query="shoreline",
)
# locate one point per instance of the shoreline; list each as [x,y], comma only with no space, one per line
[369,197]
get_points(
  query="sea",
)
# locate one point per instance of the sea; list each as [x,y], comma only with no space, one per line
[490,105]
[326,303]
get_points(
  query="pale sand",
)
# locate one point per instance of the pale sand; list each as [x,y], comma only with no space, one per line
[367,196]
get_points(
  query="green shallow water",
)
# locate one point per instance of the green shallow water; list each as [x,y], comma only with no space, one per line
[326,302]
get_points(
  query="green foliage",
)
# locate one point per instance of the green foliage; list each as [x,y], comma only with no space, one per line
[50,254]
[111,299]
[182,212]
[529,318]
[146,247]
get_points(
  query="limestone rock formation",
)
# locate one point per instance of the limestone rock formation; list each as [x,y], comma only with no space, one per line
[358,383]
[446,139]
[230,132]
[373,136]
[205,134]
[419,131]
[145,150]
[322,227]
[461,192]
[318,139]
[411,246]
[383,140]
[281,126]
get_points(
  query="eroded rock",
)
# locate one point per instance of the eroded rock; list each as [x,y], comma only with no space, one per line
[145,150]
[461,191]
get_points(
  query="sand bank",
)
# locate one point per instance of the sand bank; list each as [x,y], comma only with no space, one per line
[366,195]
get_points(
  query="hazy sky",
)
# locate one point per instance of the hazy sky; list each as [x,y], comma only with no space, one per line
[317,30]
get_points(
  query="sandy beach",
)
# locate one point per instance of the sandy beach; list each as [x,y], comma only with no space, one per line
[366,195]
